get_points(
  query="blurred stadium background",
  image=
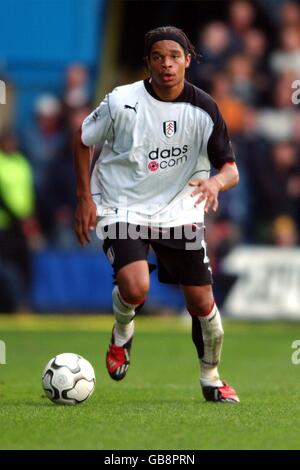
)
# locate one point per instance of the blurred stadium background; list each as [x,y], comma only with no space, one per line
[58,58]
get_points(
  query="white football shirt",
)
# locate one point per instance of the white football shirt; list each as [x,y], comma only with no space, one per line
[151,150]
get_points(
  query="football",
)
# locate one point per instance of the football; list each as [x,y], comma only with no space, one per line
[68,379]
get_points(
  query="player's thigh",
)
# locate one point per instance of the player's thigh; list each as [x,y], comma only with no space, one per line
[123,250]
[133,281]
[128,258]
[199,299]
[181,266]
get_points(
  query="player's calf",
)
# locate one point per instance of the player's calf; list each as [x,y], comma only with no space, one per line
[118,354]
[208,334]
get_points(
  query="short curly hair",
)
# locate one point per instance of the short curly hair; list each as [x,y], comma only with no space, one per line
[169,32]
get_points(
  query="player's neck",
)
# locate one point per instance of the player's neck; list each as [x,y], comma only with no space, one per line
[167,93]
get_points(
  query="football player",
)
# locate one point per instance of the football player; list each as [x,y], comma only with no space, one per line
[159,139]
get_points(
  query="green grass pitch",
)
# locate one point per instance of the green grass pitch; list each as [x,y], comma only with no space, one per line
[159,404]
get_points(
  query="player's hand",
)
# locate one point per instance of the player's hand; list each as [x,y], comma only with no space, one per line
[208,189]
[85,219]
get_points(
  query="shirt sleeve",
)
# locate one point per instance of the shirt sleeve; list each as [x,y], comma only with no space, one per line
[219,148]
[96,127]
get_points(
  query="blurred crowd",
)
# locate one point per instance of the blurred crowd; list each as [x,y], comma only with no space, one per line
[37,183]
[250,75]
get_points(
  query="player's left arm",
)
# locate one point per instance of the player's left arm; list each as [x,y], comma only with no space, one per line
[221,156]
[209,189]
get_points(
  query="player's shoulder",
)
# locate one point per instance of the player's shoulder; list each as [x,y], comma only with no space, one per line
[125,93]
[200,99]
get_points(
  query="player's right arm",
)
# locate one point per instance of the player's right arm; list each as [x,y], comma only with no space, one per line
[85,215]
[96,128]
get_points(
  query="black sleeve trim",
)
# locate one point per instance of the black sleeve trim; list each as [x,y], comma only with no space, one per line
[219,148]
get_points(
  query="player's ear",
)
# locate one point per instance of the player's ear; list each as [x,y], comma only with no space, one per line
[188,59]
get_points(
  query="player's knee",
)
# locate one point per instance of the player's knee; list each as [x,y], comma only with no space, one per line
[134,290]
[200,300]
[200,306]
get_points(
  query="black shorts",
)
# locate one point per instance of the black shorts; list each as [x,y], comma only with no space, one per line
[179,260]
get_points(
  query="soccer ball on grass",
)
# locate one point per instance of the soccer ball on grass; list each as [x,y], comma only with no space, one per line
[68,379]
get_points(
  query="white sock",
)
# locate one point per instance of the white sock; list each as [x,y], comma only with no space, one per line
[124,314]
[212,332]
[123,333]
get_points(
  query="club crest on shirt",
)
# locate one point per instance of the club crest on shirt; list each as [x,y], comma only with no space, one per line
[170,128]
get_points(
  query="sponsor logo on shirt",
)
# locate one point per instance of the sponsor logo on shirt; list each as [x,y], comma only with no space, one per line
[170,128]
[153,166]
[167,158]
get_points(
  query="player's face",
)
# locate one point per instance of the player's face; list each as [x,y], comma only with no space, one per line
[167,63]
